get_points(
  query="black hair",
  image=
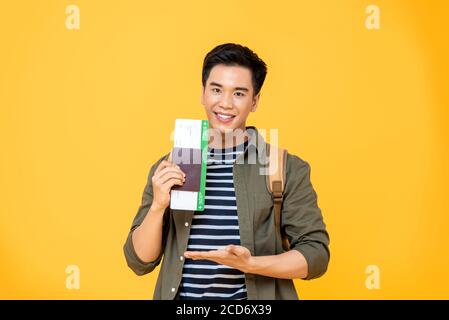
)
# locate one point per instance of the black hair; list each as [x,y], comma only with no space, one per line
[235,54]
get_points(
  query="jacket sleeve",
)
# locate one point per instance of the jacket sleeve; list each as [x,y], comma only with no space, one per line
[134,262]
[302,220]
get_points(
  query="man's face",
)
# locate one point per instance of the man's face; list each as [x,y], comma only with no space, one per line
[228,97]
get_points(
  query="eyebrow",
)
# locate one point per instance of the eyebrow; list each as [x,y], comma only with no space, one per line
[236,88]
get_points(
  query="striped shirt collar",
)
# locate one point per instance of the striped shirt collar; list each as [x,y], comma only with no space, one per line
[254,143]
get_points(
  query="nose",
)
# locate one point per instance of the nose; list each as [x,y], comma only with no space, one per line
[226,102]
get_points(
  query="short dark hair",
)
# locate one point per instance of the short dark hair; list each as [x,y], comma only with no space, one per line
[234,54]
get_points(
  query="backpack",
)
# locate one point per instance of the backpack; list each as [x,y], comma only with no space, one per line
[275,184]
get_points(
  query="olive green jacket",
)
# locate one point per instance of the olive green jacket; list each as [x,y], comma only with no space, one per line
[301,220]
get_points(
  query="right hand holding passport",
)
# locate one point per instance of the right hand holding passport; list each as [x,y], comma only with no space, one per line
[165,177]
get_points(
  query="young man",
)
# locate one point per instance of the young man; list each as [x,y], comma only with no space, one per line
[231,250]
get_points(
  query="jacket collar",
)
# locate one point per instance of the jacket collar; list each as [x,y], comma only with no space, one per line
[256,148]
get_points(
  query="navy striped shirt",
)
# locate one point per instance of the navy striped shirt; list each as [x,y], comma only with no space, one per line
[214,228]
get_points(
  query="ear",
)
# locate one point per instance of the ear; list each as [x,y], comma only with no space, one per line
[255,102]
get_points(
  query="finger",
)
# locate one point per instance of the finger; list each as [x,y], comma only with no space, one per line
[170,183]
[170,175]
[163,172]
[231,249]
[217,254]
[195,255]
[237,250]
[174,168]
[202,254]
[162,165]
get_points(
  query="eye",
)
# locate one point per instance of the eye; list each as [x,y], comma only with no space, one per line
[215,90]
[239,94]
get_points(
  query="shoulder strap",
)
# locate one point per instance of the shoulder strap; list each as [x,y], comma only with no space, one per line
[277,158]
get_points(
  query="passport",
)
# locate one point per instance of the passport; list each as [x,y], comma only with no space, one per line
[190,154]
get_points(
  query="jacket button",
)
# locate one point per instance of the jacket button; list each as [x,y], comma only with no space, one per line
[186,224]
[181,258]
[173,289]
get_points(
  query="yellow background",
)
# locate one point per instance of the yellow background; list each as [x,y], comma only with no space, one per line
[84,113]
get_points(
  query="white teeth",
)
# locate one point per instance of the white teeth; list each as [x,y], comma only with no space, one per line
[224,116]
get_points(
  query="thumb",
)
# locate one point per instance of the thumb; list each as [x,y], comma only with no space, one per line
[237,250]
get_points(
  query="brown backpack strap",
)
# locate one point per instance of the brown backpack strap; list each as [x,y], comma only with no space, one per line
[276,182]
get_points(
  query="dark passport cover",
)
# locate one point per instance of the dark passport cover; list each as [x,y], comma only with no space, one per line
[189,160]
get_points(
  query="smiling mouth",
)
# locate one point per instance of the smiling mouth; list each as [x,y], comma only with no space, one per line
[224,117]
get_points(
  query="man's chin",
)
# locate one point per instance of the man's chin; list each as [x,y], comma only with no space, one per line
[223,129]
[227,132]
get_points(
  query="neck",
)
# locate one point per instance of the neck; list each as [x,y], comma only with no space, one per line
[228,139]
